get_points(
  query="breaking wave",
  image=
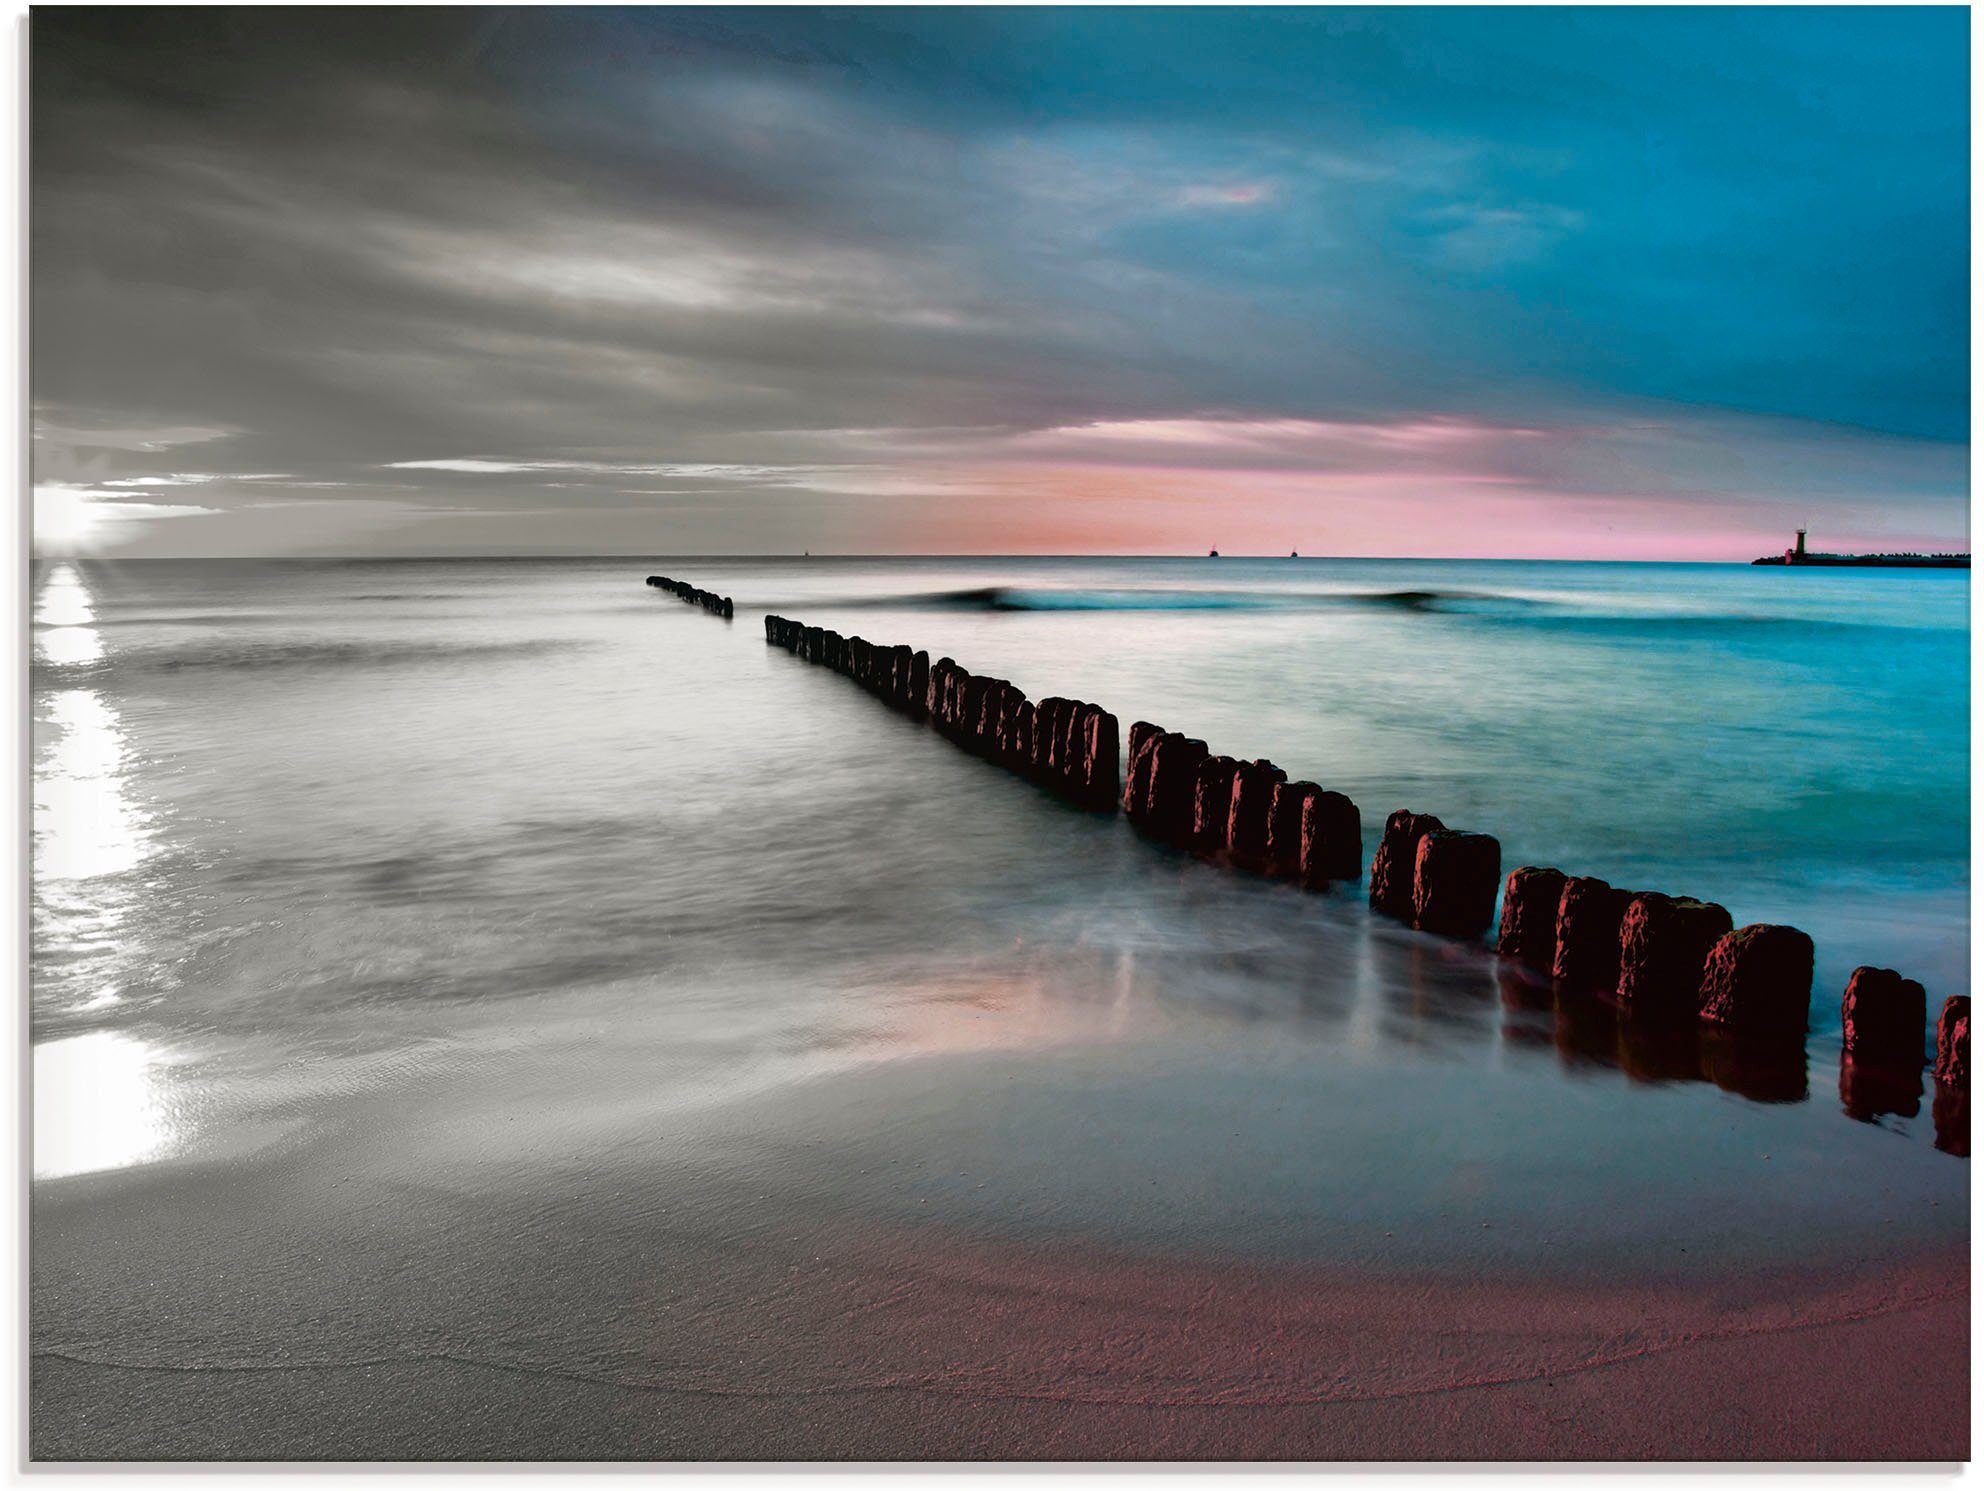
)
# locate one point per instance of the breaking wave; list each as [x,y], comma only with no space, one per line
[1024,598]
[1562,613]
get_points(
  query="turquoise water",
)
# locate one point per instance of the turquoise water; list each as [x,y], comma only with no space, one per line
[316,838]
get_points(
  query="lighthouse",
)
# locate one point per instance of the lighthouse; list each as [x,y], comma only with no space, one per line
[1800,549]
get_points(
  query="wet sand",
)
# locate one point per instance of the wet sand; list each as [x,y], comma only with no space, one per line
[438,1278]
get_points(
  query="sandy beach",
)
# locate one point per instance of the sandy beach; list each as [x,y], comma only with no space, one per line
[723,1328]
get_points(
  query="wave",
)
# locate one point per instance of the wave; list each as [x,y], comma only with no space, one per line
[1023,598]
[1564,612]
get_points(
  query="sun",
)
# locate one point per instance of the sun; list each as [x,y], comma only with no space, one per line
[64,519]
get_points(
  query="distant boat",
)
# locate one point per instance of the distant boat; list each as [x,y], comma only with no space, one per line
[1293,555]
[1799,556]
[1213,554]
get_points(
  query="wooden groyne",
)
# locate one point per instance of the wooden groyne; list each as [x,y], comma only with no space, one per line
[1068,746]
[710,601]
[1670,965]
[1664,963]
[1657,956]
[1243,814]
[1590,1031]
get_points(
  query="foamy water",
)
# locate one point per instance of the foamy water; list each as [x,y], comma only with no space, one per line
[557,870]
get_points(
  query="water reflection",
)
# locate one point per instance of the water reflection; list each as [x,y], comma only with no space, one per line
[1762,1070]
[1656,1054]
[1951,1112]
[97,1097]
[64,614]
[86,825]
[1585,1033]
[99,1104]
[1588,1034]
[1871,1092]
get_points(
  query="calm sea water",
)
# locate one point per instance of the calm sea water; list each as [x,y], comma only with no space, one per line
[314,837]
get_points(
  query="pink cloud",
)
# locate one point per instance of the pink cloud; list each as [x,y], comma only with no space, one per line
[1273,442]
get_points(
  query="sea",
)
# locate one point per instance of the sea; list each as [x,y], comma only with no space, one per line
[560,872]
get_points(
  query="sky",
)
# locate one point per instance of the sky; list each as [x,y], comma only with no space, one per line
[1558,283]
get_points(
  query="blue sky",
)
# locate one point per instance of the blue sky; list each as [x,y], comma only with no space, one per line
[1552,281]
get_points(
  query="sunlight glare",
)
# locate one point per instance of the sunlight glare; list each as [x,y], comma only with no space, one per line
[64,519]
[99,1104]
[85,824]
[64,620]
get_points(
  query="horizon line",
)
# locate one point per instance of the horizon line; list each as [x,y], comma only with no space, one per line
[103,558]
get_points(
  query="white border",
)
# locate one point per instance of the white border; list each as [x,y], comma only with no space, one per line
[13,152]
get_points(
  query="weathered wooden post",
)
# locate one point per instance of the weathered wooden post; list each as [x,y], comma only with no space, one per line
[1174,788]
[1212,804]
[1332,840]
[1285,807]
[1397,856]
[1664,943]
[1026,733]
[1101,761]
[1953,1043]
[1950,1107]
[1528,932]
[1454,880]
[935,687]
[1884,1019]
[1067,744]
[1248,813]
[1759,979]
[1143,756]
[971,708]
[1589,914]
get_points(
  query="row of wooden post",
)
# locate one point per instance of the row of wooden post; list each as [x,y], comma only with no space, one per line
[1653,956]
[1665,958]
[709,600]
[1069,746]
[1246,814]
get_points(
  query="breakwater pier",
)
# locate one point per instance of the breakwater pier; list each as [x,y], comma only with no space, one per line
[1799,557]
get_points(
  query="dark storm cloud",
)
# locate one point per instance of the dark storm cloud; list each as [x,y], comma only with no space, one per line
[741,279]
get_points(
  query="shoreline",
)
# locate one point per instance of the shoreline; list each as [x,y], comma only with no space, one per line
[514,1278]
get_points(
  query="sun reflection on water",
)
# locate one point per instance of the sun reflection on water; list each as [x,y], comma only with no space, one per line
[99,1104]
[64,617]
[64,599]
[85,823]
[99,1100]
